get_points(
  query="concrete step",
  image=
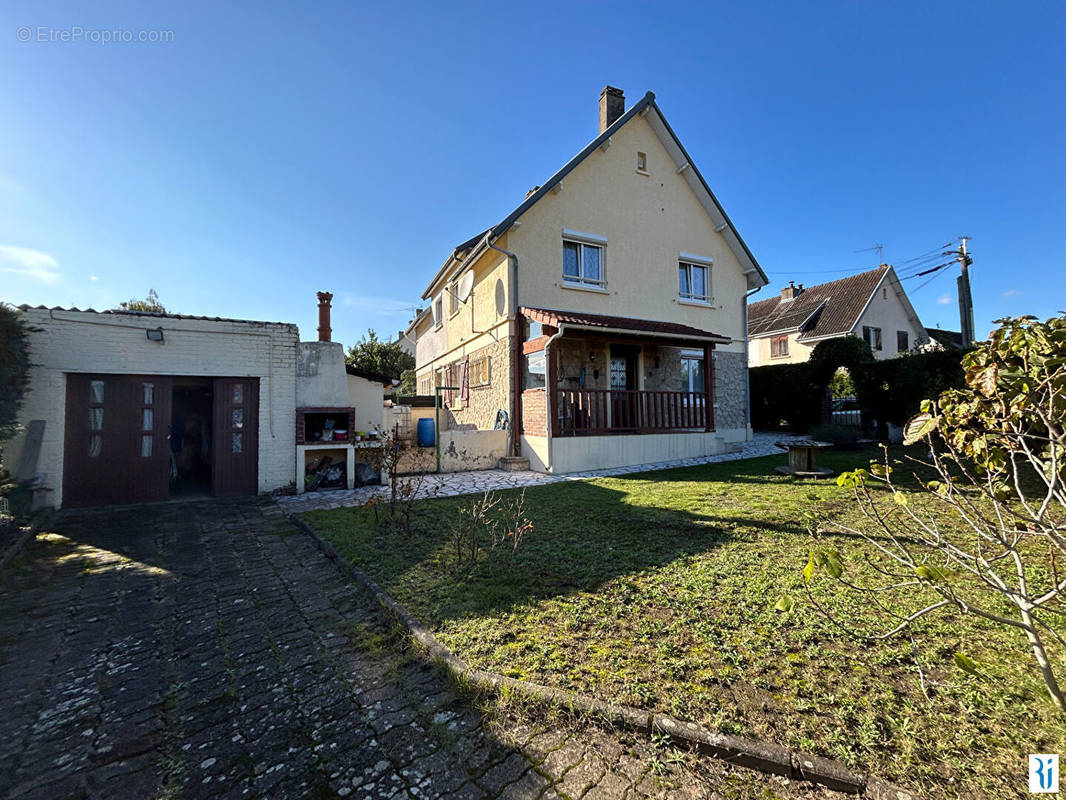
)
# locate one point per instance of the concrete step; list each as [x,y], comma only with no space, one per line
[514,464]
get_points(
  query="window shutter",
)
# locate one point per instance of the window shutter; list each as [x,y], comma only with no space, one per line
[464,382]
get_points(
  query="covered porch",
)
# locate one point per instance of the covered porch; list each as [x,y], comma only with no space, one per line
[610,376]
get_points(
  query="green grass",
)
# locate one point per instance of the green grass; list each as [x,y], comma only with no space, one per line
[658,590]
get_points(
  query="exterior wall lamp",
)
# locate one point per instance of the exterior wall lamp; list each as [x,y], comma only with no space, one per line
[154,334]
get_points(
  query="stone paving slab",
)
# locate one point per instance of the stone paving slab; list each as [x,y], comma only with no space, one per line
[480,481]
[208,649]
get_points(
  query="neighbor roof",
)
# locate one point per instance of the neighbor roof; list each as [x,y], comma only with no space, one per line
[577,319]
[373,377]
[673,145]
[946,338]
[828,309]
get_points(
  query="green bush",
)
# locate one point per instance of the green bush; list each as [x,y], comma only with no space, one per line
[795,397]
[843,437]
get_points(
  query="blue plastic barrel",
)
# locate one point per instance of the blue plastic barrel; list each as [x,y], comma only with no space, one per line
[425,432]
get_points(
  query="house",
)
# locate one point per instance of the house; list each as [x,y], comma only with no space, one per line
[602,320]
[872,305]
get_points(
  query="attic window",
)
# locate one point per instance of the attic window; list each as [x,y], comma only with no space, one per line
[642,162]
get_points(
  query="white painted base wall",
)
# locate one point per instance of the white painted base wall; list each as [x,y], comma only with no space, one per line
[585,453]
[468,449]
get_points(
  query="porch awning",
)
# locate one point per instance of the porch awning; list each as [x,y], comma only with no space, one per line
[610,325]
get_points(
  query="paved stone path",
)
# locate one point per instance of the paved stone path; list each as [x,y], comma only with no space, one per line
[208,649]
[480,481]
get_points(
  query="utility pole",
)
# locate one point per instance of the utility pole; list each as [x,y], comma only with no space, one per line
[965,299]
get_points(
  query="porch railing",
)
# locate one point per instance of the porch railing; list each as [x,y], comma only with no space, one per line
[584,412]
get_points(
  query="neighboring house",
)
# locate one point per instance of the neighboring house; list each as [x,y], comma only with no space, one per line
[366,392]
[604,315]
[871,305]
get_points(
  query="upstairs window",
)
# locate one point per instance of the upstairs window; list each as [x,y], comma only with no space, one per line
[642,162]
[779,346]
[438,311]
[903,342]
[872,337]
[694,282]
[583,264]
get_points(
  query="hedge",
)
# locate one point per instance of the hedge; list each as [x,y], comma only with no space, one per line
[793,396]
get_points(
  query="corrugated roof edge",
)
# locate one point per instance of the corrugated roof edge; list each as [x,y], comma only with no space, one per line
[154,315]
[647,100]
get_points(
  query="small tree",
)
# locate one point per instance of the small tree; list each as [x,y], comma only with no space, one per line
[150,303]
[989,532]
[385,358]
[14,367]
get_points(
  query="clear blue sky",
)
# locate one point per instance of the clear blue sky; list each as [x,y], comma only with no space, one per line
[274,149]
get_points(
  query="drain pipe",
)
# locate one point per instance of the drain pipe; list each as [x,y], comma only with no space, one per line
[747,350]
[516,384]
[549,394]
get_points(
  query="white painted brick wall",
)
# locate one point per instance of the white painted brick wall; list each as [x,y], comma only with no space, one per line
[79,341]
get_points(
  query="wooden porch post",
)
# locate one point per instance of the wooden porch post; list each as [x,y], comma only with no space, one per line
[551,390]
[708,383]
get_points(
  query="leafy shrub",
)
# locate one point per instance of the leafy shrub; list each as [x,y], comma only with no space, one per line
[843,437]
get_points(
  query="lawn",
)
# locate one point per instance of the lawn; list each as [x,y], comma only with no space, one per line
[658,590]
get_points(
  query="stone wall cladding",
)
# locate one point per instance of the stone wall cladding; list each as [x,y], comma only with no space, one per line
[88,342]
[484,401]
[730,390]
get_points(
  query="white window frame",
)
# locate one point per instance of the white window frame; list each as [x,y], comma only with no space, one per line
[872,336]
[692,355]
[438,311]
[583,240]
[690,261]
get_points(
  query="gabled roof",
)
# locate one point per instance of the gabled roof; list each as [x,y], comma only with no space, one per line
[946,338]
[647,107]
[603,322]
[828,309]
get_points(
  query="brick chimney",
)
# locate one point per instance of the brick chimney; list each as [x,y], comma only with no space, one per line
[612,106]
[324,330]
[792,291]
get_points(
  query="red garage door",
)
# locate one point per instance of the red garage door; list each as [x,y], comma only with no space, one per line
[116,439]
[117,444]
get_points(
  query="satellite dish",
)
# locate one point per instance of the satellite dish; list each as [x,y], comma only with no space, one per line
[466,285]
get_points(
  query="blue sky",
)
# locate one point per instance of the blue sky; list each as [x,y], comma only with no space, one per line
[270,150]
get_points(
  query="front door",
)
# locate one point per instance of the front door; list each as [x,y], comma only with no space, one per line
[235,465]
[115,446]
[624,387]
